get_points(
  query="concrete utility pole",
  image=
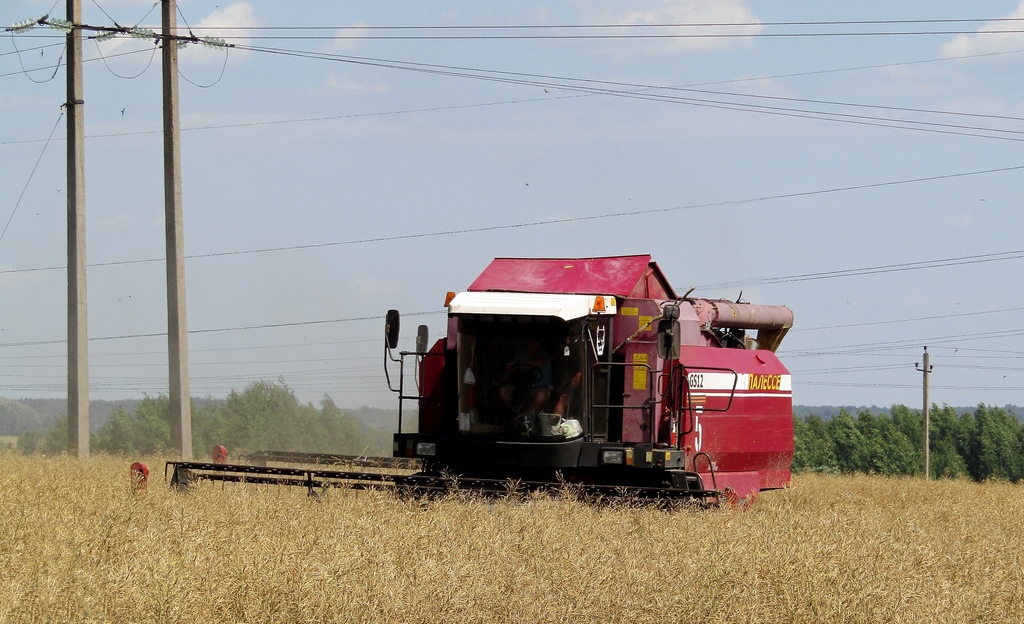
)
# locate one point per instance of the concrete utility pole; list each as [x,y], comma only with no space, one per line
[926,368]
[177,326]
[78,327]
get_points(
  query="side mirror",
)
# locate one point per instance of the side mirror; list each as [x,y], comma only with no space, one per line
[391,329]
[668,339]
[422,336]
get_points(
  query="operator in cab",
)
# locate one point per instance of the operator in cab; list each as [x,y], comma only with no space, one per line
[530,366]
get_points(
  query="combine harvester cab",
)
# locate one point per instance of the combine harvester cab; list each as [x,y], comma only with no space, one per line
[594,371]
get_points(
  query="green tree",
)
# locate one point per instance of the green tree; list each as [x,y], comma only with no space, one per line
[886,450]
[54,441]
[813,446]
[909,422]
[29,441]
[997,444]
[946,438]
[264,415]
[848,442]
[269,416]
[147,430]
[343,432]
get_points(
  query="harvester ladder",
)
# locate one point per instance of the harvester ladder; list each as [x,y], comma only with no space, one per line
[650,404]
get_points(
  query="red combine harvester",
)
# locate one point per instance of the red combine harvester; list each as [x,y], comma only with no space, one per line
[593,371]
[589,371]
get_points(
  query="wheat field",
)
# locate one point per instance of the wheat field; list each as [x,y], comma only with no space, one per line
[77,543]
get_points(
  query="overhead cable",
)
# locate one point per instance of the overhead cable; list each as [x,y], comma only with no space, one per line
[31,174]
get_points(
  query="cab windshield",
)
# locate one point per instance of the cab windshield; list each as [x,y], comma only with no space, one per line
[521,377]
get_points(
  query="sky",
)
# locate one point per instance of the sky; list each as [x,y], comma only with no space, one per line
[860,163]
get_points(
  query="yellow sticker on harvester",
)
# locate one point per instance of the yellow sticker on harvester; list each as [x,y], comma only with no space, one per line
[645,322]
[625,311]
[640,371]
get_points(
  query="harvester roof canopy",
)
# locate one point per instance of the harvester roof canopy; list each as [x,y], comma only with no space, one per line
[622,276]
[565,307]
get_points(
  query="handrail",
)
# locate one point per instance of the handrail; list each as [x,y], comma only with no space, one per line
[711,467]
[649,404]
[732,391]
[402,397]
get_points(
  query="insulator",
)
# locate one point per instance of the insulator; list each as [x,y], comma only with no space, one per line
[23,26]
[62,25]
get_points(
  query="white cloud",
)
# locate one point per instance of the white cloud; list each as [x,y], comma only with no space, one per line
[985,41]
[680,12]
[227,23]
[960,221]
[347,39]
[238,14]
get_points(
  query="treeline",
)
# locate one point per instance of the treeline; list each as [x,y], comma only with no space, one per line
[18,416]
[987,443]
[264,416]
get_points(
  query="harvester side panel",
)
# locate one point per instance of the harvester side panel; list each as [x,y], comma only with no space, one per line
[755,433]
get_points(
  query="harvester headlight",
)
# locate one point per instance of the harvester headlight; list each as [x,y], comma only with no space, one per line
[428,449]
[616,458]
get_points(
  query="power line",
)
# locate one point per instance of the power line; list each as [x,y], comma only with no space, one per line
[33,49]
[843,384]
[459,30]
[904,266]
[584,86]
[104,11]
[26,72]
[627,25]
[650,92]
[273,122]
[55,68]
[1000,256]
[1016,354]
[910,320]
[847,369]
[599,37]
[149,63]
[886,268]
[31,175]
[890,345]
[486,32]
[901,366]
[647,92]
[375,317]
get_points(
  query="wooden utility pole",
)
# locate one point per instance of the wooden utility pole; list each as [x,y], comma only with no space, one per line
[925,368]
[78,327]
[177,326]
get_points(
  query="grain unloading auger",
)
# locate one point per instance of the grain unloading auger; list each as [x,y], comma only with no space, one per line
[590,372]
